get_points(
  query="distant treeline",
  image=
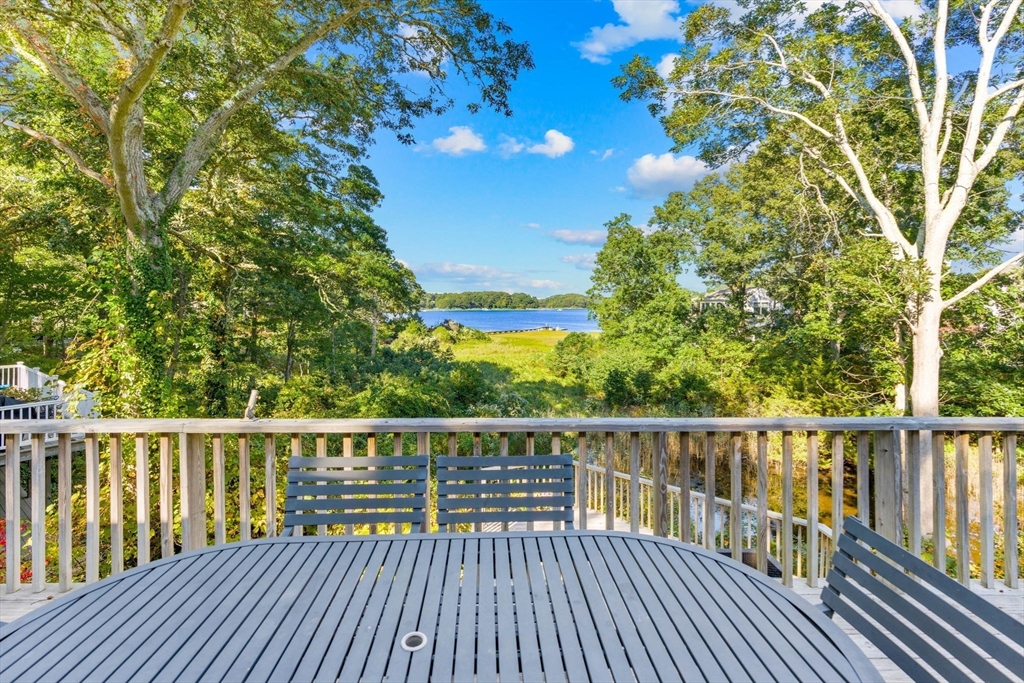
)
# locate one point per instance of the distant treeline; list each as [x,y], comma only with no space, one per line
[519,300]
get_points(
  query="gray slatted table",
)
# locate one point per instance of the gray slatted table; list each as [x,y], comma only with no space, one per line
[553,606]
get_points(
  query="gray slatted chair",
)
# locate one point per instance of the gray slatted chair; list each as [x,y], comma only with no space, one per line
[948,613]
[346,491]
[513,488]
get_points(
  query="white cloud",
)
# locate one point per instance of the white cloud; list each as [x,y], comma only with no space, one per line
[535,226]
[602,156]
[580,236]
[480,276]
[461,140]
[541,284]
[666,64]
[653,176]
[555,144]
[581,261]
[509,146]
[639,20]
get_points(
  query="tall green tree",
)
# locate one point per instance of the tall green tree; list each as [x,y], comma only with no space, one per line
[923,148]
[152,114]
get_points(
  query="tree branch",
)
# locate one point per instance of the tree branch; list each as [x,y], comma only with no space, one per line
[60,69]
[767,105]
[1005,88]
[132,88]
[204,140]
[914,77]
[999,134]
[127,127]
[70,153]
[983,280]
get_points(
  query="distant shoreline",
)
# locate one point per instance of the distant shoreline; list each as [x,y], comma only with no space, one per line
[496,310]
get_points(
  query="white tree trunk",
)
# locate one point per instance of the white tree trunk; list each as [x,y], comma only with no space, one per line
[924,388]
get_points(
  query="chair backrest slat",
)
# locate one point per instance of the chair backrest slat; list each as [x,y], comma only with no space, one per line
[479,489]
[869,586]
[329,491]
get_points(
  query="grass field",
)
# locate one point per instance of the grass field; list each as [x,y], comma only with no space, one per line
[517,362]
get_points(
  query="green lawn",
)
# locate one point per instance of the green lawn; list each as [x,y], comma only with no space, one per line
[517,362]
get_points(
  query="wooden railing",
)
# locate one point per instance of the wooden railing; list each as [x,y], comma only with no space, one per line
[598,500]
[196,465]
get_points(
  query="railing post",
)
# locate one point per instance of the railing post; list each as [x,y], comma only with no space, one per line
[92,508]
[684,487]
[987,510]
[39,488]
[863,478]
[142,497]
[913,502]
[219,523]
[244,493]
[736,496]
[63,512]
[963,546]
[709,491]
[660,476]
[1011,566]
[838,487]
[762,502]
[888,484]
[939,500]
[812,508]
[296,452]
[787,508]
[609,480]
[530,444]
[423,448]
[192,477]
[270,478]
[634,482]
[556,449]
[166,500]
[13,511]
[321,452]
[581,478]
[925,482]
[503,451]
[478,451]
[116,504]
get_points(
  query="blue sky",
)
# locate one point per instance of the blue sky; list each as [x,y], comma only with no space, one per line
[488,202]
[518,204]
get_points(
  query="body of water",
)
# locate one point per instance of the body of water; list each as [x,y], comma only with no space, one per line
[571,319]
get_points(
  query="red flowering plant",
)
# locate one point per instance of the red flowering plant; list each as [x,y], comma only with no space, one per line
[26,572]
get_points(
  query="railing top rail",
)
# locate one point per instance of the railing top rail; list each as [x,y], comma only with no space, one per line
[33,404]
[571,424]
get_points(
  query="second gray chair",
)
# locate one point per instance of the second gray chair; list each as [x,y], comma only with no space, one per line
[361,490]
[523,488]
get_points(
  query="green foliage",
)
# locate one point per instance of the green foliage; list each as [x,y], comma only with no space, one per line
[187,215]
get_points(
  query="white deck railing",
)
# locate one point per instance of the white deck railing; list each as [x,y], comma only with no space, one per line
[56,400]
[162,470]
